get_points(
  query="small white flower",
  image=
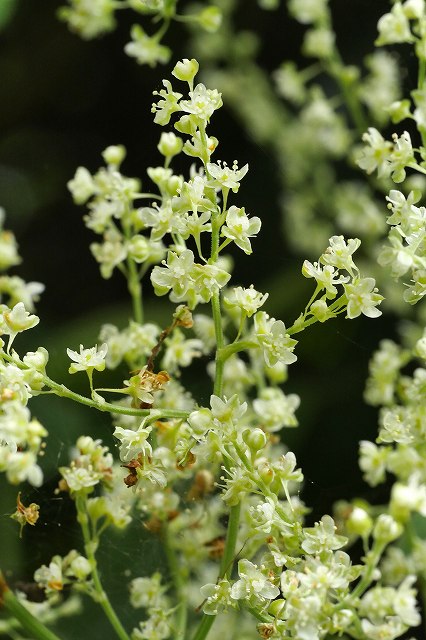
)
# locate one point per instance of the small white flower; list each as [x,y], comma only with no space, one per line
[363,297]
[82,186]
[88,359]
[146,49]
[133,443]
[224,177]
[376,155]
[248,300]
[276,344]
[203,102]
[252,582]
[240,228]
[394,27]
[339,253]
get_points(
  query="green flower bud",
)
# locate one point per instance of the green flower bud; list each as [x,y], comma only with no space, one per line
[80,567]
[255,439]
[320,311]
[359,523]
[114,154]
[186,70]
[276,607]
[266,472]
[37,359]
[420,348]
[386,529]
[399,110]
[210,19]
[170,144]
[200,421]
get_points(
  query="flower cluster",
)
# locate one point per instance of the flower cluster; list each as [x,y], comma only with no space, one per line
[360,295]
[212,480]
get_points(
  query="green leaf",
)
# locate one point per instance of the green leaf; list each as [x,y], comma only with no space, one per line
[7,10]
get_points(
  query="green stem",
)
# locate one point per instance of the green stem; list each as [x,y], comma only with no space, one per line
[336,68]
[225,567]
[220,362]
[63,392]
[231,541]
[179,585]
[221,357]
[240,345]
[204,627]
[28,622]
[90,546]
[135,290]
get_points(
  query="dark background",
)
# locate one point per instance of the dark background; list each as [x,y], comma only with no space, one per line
[62,101]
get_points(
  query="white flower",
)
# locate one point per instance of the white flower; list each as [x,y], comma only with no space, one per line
[387,529]
[170,144]
[203,102]
[177,274]
[148,592]
[217,597]
[322,537]
[248,300]
[224,177]
[406,498]
[372,461]
[363,297]
[168,104]
[19,319]
[339,253]
[180,351]
[394,27]
[376,155]
[50,578]
[8,247]
[401,157]
[146,49]
[82,186]
[277,346]
[88,359]
[276,410]
[252,582]
[239,228]
[133,443]
[110,253]
[319,42]
[308,11]
[89,18]
[327,277]
[79,479]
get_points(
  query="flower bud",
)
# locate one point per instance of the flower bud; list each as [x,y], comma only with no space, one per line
[320,310]
[37,359]
[114,154]
[386,529]
[186,70]
[200,421]
[266,472]
[399,110]
[276,607]
[210,19]
[18,319]
[420,348]
[359,523]
[170,144]
[255,439]
[80,567]
[414,9]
